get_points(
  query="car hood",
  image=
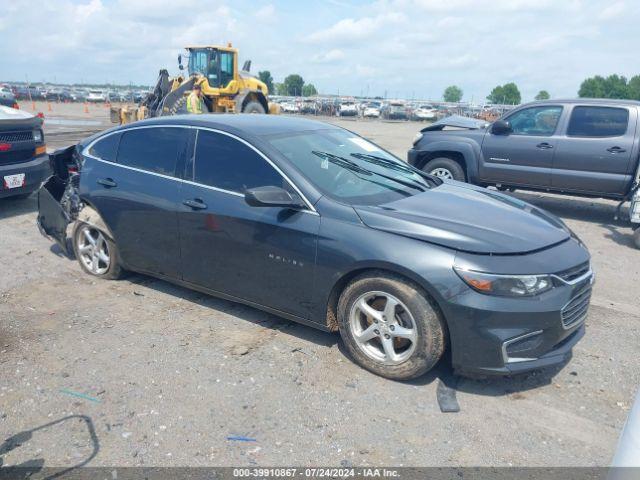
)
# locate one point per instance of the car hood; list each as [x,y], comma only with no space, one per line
[468,218]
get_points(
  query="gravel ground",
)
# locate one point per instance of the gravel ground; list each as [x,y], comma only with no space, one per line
[142,372]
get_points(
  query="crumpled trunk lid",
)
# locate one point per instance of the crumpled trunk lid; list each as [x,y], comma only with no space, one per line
[58,200]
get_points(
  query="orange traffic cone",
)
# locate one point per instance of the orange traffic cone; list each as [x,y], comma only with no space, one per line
[49,109]
[86,107]
[33,105]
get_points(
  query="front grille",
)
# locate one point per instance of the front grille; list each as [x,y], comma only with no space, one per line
[575,311]
[575,272]
[23,136]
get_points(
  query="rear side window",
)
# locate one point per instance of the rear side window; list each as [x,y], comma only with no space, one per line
[598,122]
[106,148]
[226,163]
[153,149]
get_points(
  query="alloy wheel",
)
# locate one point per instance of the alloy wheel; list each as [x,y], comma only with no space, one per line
[93,250]
[383,328]
[442,173]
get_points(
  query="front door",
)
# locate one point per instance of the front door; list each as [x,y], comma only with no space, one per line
[525,156]
[137,195]
[594,155]
[265,255]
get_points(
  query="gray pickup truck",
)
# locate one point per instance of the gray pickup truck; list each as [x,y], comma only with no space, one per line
[580,147]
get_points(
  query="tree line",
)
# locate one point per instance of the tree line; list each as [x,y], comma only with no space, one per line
[613,86]
[293,85]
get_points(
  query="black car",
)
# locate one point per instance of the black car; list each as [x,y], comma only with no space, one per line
[318,225]
[24,163]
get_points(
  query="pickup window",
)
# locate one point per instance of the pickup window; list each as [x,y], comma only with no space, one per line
[539,121]
[598,122]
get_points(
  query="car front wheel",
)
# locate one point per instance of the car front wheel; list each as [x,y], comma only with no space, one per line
[446,168]
[96,252]
[390,327]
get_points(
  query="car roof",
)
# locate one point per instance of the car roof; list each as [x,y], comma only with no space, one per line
[251,124]
[587,101]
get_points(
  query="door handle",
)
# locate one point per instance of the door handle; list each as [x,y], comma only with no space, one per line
[107,182]
[196,204]
[544,146]
[616,150]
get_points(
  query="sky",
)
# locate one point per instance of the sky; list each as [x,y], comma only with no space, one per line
[390,48]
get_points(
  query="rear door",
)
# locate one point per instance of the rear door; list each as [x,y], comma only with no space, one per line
[594,154]
[525,156]
[137,194]
[262,254]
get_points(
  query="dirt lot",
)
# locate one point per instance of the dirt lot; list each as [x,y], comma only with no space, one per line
[141,372]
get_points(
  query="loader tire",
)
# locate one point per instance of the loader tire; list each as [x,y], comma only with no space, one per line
[253,107]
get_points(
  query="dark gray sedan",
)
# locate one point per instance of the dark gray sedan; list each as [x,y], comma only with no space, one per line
[319,225]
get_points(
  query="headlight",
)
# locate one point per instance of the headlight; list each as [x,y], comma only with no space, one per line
[417,138]
[37,136]
[506,285]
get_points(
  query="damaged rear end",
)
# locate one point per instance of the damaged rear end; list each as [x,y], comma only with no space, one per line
[58,199]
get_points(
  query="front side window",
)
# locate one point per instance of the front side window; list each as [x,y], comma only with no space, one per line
[198,62]
[539,121]
[106,148]
[153,149]
[598,122]
[226,163]
[349,168]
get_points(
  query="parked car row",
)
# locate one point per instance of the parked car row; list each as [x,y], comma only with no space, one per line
[71,94]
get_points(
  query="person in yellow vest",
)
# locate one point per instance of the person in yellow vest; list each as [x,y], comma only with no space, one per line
[195,104]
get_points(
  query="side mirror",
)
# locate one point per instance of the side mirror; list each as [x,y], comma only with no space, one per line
[271,197]
[500,127]
[180,66]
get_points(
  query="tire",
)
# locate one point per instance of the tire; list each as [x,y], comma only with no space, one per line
[253,107]
[108,266]
[636,237]
[446,168]
[414,338]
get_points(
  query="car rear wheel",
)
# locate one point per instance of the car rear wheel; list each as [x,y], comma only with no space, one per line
[390,327]
[96,252]
[445,168]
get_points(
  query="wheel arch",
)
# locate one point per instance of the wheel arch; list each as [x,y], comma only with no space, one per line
[379,267]
[253,96]
[463,153]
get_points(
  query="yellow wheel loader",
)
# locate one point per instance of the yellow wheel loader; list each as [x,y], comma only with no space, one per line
[225,88]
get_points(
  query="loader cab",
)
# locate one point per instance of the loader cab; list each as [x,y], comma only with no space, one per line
[217,65]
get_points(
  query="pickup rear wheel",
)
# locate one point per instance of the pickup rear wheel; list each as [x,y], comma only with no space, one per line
[96,252]
[389,326]
[445,168]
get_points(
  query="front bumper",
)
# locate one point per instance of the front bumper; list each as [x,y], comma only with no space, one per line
[36,170]
[493,335]
[412,157]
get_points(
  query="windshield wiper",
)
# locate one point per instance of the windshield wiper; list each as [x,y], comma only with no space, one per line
[385,162]
[341,161]
[346,163]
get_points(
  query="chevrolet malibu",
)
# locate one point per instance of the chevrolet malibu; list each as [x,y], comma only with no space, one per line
[318,225]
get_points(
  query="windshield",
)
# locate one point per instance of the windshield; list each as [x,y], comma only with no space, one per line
[349,168]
